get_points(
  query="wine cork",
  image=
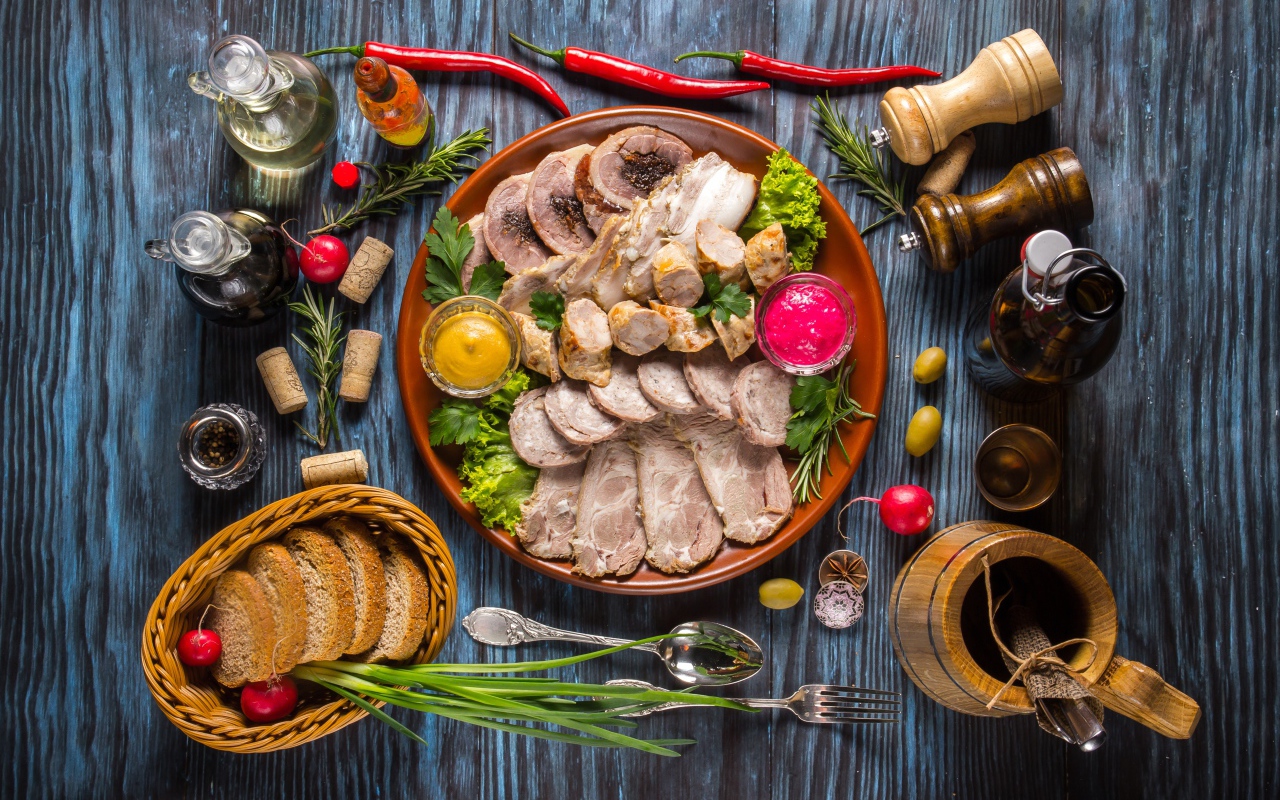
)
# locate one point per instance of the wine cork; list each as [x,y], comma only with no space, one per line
[281,378]
[329,468]
[947,167]
[365,269]
[359,363]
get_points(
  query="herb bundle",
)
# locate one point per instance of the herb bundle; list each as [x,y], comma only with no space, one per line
[324,329]
[723,301]
[448,245]
[861,162]
[394,184]
[473,693]
[820,406]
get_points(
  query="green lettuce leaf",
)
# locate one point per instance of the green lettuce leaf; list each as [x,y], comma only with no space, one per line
[789,195]
[497,481]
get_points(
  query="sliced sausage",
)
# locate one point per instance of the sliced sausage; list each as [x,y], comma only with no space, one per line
[534,438]
[710,375]
[585,342]
[675,277]
[761,403]
[662,381]
[739,333]
[572,413]
[538,347]
[689,334]
[721,251]
[637,330]
[766,257]
[622,397]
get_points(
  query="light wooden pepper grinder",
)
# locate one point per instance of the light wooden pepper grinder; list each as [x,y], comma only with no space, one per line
[1010,81]
[1048,191]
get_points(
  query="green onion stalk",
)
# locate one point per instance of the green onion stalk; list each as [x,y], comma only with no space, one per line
[482,694]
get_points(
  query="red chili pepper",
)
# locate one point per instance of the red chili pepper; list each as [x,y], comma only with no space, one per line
[423,58]
[756,64]
[640,76]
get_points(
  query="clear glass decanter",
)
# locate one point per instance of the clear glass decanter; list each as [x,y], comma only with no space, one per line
[1054,321]
[276,109]
[236,267]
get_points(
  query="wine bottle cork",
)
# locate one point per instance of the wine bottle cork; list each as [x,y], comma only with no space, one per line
[365,269]
[947,167]
[281,378]
[359,363]
[330,468]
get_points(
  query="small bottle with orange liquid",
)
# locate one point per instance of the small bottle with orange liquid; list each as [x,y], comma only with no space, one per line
[390,99]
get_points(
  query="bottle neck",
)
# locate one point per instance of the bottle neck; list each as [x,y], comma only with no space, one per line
[242,71]
[374,78]
[201,243]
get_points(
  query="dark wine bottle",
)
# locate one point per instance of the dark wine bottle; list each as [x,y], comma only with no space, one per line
[1054,321]
[236,267]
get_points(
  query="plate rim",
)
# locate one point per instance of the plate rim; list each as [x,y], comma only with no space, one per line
[407,360]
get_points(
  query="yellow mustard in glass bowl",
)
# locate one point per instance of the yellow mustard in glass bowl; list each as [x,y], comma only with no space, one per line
[469,346]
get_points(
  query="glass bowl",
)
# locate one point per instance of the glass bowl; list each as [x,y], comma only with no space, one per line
[775,293]
[462,305]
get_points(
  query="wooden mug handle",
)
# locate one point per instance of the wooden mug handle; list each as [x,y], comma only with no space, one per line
[1139,693]
[1010,81]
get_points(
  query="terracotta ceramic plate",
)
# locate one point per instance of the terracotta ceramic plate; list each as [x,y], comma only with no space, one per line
[842,256]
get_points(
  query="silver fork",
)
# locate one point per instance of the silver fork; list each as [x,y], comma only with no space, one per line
[815,702]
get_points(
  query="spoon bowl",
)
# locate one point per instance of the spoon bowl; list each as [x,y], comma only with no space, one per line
[710,654]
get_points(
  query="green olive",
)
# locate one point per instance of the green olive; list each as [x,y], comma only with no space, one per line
[924,430]
[930,365]
[780,593]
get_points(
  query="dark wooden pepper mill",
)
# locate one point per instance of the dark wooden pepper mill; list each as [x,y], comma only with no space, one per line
[1048,191]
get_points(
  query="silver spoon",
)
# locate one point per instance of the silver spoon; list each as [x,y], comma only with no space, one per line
[702,653]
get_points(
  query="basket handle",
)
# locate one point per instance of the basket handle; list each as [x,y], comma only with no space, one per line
[1139,693]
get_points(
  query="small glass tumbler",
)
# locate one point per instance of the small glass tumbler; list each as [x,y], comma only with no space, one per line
[1017,467]
[222,446]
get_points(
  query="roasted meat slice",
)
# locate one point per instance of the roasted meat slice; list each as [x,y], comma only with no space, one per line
[662,381]
[747,483]
[637,330]
[622,397]
[722,251]
[710,375]
[689,334]
[549,516]
[681,523]
[739,333]
[554,207]
[609,537]
[518,290]
[576,282]
[479,253]
[761,403]
[767,258]
[594,207]
[533,437]
[572,414]
[585,342]
[630,163]
[508,232]
[537,347]
[675,277]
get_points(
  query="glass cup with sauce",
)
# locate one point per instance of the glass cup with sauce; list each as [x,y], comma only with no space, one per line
[806,323]
[469,346]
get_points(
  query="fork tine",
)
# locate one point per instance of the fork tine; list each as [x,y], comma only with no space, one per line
[888,706]
[852,719]
[846,691]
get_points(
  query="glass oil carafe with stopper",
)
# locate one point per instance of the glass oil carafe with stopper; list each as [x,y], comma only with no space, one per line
[1054,321]
[236,267]
[276,109]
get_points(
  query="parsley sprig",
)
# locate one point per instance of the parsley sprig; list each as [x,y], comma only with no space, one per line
[820,405]
[548,309]
[724,301]
[447,247]
[454,422]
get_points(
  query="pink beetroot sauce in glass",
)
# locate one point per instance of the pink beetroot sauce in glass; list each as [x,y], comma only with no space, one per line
[807,323]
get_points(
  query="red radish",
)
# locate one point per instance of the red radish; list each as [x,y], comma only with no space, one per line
[325,259]
[904,509]
[199,648]
[346,175]
[269,700]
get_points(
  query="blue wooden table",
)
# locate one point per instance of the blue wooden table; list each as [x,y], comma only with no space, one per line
[1171,462]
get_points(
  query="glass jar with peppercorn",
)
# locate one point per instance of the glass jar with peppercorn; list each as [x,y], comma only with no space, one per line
[222,446]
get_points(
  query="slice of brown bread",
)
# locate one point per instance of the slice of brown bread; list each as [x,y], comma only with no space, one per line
[407,600]
[370,583]
[326,580]
[241,616]
[281,581]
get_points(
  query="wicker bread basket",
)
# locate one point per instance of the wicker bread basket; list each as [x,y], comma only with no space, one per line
[205,711]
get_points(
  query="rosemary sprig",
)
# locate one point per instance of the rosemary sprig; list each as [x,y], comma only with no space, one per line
[815,426]
[861,162]
[395,184]
[483,695]
[324,329]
